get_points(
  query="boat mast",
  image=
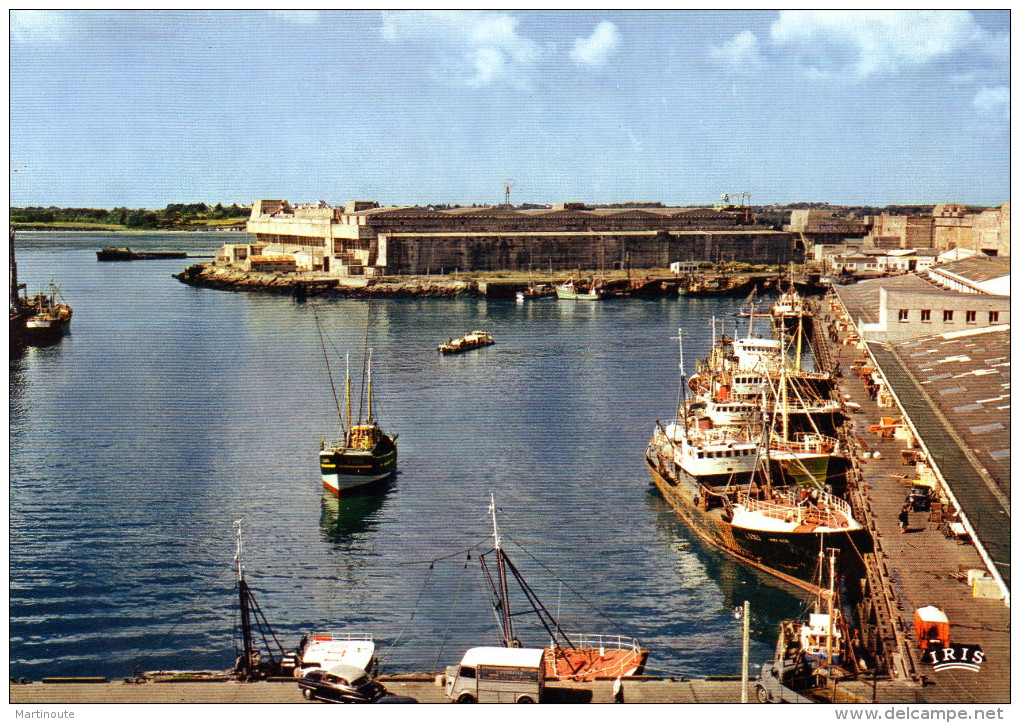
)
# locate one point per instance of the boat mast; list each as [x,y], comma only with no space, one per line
[832,594]
[15,287]
[369,386]
[800,337]
[505,619]
[682,400]
[243,595]
[348,390]
[329,373]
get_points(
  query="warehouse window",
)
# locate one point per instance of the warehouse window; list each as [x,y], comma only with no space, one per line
[971,317]
[993,317]
[904,314]
[925,314]
[947,315]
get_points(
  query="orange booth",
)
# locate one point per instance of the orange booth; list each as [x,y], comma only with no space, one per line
[932,627]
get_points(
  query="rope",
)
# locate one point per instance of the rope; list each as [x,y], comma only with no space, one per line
[414,612]
[566,584]
[456,599]
[444,557]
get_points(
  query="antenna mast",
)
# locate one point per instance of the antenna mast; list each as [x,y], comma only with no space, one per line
[507,185]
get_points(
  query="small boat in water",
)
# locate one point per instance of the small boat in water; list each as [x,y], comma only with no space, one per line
[569,656]
[535,291]
[363,454]
[472,340]
[571,289]
[123,253]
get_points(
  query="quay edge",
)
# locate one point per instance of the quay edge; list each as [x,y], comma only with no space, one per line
[423,689]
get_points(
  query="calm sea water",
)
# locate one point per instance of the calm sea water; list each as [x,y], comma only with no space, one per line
[170,412]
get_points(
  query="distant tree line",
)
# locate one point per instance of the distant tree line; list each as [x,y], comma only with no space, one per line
[175,215]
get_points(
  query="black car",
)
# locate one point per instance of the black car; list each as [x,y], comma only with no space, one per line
[919,498]
[341,684]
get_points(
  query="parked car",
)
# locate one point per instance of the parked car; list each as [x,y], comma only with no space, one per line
[919,498]
[341,684]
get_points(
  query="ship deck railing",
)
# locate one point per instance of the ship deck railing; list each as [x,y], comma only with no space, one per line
[609,642]
[827,510]
[327,637]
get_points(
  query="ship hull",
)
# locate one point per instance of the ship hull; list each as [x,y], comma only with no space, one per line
[789,556]
[46,331]
[578,296]
[349,471]
[126,254]
[587,664]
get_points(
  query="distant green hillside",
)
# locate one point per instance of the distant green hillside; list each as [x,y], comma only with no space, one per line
[174,216]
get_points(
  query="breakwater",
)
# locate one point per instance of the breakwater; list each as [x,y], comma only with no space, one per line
[229,279]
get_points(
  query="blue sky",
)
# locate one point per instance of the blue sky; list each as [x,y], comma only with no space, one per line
[150,108]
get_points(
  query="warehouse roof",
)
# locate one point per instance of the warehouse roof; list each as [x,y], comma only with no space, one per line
[978,268]
[861,300]
[955,389]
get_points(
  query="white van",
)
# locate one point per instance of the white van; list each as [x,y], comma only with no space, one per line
[497,675]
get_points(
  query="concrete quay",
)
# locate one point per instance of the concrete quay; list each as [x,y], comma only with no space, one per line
[921,566]
[423,689]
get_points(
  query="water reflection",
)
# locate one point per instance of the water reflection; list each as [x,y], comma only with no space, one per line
[344,519]
[771,601]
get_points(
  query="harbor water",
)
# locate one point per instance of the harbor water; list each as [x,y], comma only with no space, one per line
[169,412]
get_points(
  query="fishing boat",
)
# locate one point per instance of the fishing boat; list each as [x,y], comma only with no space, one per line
[472,340]
[47,318]
[570,289]
[363,454]
[715,286]
[37,320]
[315,650]
[722,488]
[812,653]
[536,291]
[791,312]
[569,656]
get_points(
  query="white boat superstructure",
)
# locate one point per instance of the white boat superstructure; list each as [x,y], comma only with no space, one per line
[324,650]
[786,510]
[756,354]
[709,454]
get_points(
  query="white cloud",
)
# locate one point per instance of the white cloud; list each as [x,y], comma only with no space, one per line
[597,47]
[481,47]
[38,26]
[297,17]
[866,42]
[741,52]
[991,100]
[857,44]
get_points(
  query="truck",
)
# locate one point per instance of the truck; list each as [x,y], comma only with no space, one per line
[497,675]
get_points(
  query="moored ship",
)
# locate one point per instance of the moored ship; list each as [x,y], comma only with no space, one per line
[791,312]
[722,487]
[571,289]
[48,319]
[569,656]
[123,253]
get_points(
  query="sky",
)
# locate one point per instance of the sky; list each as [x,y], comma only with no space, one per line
[142,109]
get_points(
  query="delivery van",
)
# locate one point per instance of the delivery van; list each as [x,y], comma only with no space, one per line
[497,675]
